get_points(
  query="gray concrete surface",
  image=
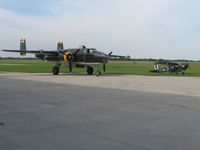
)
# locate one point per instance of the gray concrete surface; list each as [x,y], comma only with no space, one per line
[186,86]
[47,116]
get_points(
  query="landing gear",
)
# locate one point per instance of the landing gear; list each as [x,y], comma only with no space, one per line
[97,70]
[90,70]
[55,70]
[98,73]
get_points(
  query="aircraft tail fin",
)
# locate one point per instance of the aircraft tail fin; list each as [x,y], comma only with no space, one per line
[23,47]
[60,46]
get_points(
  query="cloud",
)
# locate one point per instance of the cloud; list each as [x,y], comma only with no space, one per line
[35,7]
[140,28]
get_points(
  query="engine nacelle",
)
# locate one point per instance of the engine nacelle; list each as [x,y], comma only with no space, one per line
[68,57]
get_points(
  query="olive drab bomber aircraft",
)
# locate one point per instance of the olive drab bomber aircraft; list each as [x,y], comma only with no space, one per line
[73,57]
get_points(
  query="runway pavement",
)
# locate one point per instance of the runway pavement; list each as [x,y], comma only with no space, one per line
[187,86]
[49,116]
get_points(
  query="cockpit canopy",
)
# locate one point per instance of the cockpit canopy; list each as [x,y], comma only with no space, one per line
[91,50]
[88,50]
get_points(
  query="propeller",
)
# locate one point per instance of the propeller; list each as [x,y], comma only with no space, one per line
[68,57]
[70,66]
[104,62]
[75,54]
[104,67]
[189,66]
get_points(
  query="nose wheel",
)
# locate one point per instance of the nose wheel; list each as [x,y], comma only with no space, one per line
[97,70]
[98,73]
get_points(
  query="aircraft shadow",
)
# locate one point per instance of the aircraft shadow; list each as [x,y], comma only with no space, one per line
[78,74]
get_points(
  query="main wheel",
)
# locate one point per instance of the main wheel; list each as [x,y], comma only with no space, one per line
[90,70]
[55,70]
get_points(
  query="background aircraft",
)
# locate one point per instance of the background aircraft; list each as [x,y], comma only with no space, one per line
[170,67]
[75,57]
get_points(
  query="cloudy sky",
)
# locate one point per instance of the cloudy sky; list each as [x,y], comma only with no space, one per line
[141,28]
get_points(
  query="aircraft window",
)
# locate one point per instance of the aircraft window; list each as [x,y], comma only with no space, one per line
[90,50]
[93,50]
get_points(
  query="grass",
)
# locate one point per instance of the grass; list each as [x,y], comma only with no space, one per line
[113,67]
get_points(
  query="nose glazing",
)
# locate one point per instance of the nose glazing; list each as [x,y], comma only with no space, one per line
[104,57]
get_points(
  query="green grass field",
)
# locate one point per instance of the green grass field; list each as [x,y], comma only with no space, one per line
[113,67]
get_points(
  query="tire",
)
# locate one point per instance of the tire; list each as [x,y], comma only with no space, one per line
[90,70]
[55,70]
[98,73]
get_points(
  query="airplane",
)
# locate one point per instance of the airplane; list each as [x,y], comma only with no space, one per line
[171,67]
[73,57]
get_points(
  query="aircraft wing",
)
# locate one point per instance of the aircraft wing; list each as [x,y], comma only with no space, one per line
[32,51]
[115,56]
[173,63]
[167,63]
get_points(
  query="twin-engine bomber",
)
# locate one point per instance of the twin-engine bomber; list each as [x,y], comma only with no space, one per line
[73,57]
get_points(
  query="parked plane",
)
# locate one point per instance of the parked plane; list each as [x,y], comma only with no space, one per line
[73,57]
[172,67]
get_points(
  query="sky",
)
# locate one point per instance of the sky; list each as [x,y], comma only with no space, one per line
[167,29]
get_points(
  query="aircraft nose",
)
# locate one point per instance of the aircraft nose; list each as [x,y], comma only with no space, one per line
[104,57]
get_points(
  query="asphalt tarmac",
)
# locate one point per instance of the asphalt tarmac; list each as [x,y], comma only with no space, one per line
[47,116]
